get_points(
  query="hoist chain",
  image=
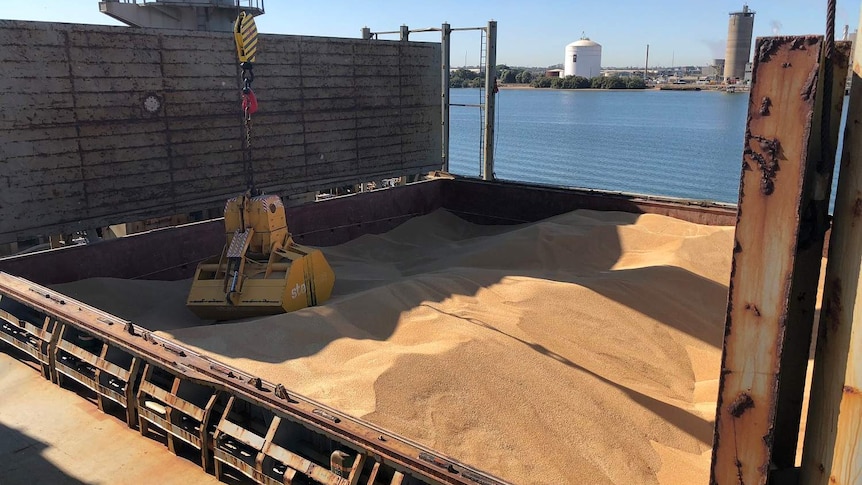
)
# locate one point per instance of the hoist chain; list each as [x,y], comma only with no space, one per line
[245,35]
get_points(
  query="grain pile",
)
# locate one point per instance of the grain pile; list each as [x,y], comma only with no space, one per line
[581,349]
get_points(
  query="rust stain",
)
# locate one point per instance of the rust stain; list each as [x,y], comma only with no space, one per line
[798,44]
[767,161]
[749,306]
[852,390]
[857,208]
[811,83]
[740,405]
[768,47]
[765,103]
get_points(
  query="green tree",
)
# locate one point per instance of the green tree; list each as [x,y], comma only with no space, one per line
[557,83]
[508,76]
[524,77]
[596,82]
[580,82]
[635,83]
[461,78]
[613,82]
[541,82]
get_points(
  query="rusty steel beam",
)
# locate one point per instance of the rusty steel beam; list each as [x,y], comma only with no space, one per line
[814,221]
[831,454]
[781,222]
[405,456]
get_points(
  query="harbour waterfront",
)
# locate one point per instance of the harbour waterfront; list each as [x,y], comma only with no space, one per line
[670,143]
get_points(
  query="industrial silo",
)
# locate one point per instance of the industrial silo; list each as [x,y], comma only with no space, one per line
[583,58]
[739,31]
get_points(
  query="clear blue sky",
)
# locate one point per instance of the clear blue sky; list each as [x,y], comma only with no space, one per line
[530,33]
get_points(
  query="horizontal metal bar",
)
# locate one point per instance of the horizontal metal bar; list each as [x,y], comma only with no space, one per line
[73,374]
[23,346]
[234,462]
[171,428]
[468,105]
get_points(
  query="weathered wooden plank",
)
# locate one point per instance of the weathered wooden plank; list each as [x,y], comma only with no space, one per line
[330,82]
[382,101]
[118,55]
[20,118]
[774,234]
[117,155]
[195,41]
[124,170]
[90,119]
[37,101]
[104,70]
[131,112]
[384,71]
[39,148]
[228,71]
[114,85]
[101,37]
[334,104]
[29,34]
[23,179]
[279,142]
[146,140]
[22,85]
[831,453]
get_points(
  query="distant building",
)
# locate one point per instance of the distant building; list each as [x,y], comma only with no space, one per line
[583,58]
[739,32]
[554,73]
[714,71]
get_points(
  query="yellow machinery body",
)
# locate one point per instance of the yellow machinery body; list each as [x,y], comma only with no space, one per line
[261,271]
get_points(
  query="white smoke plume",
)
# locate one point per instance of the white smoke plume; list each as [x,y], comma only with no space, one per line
[776,27]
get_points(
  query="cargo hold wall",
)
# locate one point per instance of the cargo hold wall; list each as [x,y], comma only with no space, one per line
[104,125]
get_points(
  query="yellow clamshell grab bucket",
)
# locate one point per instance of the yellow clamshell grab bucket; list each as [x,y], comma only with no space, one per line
[261,271]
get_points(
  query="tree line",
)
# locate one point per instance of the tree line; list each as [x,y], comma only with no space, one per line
[580,82]
[465,78]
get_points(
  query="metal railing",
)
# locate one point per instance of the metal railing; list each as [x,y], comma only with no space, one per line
[235,462]
[23,346]
[87,381]
[170,427]
[112,395]
[250,4]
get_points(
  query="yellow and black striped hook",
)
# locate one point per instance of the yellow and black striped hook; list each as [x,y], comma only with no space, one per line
[245,35]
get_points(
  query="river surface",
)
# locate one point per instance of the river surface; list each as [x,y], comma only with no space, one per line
[672,143]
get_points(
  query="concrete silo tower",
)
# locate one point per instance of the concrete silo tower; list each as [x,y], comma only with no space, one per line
[739,31]
[583,58]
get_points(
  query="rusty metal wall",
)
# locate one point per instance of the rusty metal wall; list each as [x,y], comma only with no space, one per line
[79,149]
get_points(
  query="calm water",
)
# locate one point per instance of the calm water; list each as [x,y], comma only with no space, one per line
[681,144]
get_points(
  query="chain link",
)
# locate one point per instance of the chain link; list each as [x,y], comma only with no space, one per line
[247,166]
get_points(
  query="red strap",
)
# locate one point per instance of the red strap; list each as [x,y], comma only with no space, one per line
[249,102]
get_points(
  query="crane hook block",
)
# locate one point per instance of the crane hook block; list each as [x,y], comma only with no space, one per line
[245,35]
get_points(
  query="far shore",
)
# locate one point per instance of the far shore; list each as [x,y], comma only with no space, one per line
[686,87]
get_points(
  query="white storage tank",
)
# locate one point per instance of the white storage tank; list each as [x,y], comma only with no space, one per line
[583,58]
